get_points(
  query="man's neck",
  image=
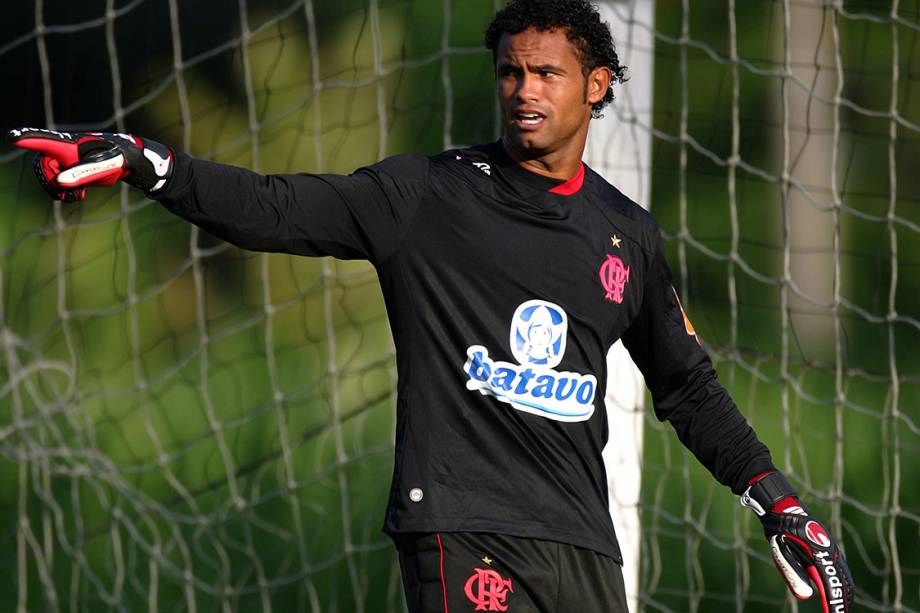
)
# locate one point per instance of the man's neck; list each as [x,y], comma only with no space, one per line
[562,164]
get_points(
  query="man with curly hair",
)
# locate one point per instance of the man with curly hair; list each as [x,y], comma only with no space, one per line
[508,270]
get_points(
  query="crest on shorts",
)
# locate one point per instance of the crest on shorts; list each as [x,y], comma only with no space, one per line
[488,590]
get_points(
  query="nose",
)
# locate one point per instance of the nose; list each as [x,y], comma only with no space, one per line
[528,87]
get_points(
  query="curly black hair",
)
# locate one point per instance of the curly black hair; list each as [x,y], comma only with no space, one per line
[583,26]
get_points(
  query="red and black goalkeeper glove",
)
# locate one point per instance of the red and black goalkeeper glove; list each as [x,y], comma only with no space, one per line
[802,549]
[67,162]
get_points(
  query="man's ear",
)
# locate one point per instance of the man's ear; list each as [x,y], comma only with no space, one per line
[597,84]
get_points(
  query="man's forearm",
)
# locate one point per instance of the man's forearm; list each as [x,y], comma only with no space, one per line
[709,424]
[252,211]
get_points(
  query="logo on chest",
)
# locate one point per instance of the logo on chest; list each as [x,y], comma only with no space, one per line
[614,276]
[538,336]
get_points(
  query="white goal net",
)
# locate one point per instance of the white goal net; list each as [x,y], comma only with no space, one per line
[185,426]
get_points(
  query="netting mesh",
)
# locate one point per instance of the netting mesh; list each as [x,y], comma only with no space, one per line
[187,426]
[783,176]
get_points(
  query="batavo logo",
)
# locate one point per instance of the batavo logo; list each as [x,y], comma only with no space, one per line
[487,590]
[538,337]
[614,276]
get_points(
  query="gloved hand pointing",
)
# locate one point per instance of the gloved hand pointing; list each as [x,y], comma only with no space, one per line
[67,162]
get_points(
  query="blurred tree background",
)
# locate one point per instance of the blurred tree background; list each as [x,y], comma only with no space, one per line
[188,426]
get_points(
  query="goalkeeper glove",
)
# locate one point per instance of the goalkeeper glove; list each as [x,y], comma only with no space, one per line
[67,162]
[801,547]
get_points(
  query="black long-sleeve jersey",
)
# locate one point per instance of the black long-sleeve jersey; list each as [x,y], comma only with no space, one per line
[504,291]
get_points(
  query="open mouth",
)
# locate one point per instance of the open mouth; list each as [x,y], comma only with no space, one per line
[528,119]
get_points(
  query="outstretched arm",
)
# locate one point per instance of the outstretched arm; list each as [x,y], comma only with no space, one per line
[360,216]
[363,215]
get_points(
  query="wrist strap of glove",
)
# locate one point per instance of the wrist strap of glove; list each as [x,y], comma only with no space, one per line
[766,492]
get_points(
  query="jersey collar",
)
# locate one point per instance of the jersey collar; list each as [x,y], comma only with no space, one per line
[518,174]
[567,188]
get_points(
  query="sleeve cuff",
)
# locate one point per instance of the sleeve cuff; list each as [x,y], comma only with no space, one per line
[179,181]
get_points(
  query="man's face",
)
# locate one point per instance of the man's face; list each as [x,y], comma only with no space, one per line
[545,97]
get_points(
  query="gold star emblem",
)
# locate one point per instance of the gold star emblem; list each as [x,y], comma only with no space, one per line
[616,241]
[487,560]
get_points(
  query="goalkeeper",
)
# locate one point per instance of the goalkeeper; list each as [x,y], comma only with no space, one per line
[508,270]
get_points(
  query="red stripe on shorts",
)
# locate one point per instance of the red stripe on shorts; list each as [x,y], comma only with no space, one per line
[443,583]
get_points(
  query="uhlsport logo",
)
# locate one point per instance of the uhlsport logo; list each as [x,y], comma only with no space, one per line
[837,598]
[537,341]
[816,534]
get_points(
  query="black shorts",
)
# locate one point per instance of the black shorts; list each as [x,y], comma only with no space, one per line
[454,572]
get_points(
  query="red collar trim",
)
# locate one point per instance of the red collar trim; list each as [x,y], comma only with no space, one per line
[572,185]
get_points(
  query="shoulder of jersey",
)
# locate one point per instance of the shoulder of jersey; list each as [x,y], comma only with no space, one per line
[624,211]
[473,163]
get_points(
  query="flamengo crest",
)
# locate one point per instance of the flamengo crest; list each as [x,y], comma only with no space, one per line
[614,276]
[487,590]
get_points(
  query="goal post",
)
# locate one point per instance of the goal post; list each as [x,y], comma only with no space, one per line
[619,148]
